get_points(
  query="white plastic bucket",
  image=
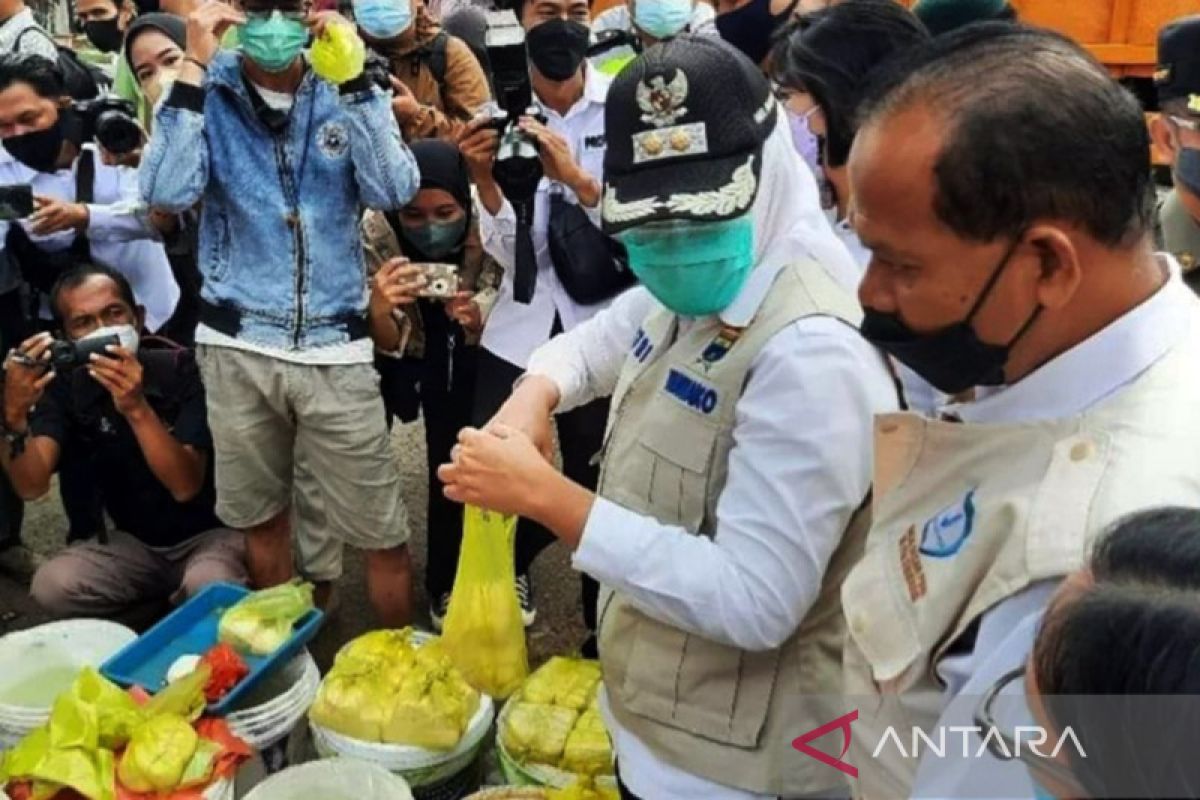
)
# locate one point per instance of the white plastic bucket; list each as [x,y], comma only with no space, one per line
[279,703]
[39,663]
[333,779]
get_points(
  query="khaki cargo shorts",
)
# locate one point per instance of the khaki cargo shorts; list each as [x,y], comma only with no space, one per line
[262,410]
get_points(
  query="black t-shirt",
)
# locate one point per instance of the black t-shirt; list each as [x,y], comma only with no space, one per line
[78,413]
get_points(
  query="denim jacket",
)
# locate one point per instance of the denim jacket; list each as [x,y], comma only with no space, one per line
[279,245]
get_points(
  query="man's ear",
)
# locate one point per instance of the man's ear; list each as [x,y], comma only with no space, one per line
[1160,134]
[1060,269]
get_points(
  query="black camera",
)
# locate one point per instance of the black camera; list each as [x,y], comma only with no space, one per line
[112,122]
[378,70]
[517,170]
[66,355]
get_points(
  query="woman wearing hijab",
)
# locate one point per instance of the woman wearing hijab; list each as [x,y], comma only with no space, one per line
[738,456]
[152,53]
[426,347]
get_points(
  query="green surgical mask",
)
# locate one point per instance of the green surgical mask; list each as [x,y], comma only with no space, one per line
[436,239]
[273,42]
[692,268]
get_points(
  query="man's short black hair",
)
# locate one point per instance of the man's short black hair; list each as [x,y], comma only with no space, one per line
[42,74]
[1035,128]
[831,53]
[74,278]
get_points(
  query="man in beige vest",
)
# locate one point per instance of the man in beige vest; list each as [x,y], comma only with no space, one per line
[736,464]
[1002,182]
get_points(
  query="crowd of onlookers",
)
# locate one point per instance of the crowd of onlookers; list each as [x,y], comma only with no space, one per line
[222,285]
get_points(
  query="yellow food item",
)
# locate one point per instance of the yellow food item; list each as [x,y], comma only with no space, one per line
[585,788]
[588,750]
[157,755]
[568,682]
[262,621]
[385,688]
[354,703]
[536,732]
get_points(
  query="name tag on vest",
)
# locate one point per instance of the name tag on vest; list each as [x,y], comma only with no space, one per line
[691,392]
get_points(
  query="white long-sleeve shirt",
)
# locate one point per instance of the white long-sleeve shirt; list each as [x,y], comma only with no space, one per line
[1066,386]
[514,330]
[799,468]
[118,231]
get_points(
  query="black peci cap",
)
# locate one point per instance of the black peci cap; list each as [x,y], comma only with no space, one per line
[685,124]
[1178,72]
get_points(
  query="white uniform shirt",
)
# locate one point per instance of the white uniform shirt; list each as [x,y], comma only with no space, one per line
[1075,381]
[515,330]
[782,511]
[118,230]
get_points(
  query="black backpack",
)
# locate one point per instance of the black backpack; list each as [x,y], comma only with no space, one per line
[433,55]
[81,80]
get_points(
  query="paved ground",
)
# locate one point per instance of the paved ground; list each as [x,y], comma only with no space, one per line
[559,628]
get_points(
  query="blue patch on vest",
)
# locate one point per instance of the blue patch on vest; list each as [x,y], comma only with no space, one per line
[691,392]
[943,535]
[642,346]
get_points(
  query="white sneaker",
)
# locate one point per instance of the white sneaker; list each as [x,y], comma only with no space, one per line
[525,599]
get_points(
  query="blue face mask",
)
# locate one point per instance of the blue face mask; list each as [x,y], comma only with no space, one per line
[436,239]
[692,268]
[383,19]
[273,42]
[662,19]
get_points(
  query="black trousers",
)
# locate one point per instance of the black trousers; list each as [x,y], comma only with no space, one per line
[442,386]
[580,437]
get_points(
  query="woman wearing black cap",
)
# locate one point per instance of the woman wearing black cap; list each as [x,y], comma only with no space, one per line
[425,347]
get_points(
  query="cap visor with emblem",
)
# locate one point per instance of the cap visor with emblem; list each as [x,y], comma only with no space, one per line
[1177,76]
[685,122]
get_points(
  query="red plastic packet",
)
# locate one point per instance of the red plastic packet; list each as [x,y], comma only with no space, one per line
[227,669]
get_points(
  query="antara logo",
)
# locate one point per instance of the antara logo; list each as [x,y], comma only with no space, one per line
[842,723]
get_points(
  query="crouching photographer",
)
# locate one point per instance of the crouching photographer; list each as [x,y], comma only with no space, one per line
[134,408]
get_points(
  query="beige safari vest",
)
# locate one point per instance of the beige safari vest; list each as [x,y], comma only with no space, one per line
[966,515]
[707,708]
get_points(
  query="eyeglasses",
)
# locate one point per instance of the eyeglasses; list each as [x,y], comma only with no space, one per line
[1007,747]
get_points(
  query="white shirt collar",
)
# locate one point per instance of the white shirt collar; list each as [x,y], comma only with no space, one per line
[1096,367]
[741,311]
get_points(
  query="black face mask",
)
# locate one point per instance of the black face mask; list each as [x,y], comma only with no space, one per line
[38,150]
[953,359]
[558,47]
[750,27]
[105,34]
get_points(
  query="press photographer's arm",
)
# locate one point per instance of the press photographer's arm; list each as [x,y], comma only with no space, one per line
[28,460]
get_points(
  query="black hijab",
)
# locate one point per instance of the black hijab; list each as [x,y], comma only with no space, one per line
[442,167]
[173,27]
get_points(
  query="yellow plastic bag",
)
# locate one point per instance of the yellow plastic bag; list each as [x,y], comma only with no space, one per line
[483,633]
[584,789]
[158,754]
[90,773]
[339,55]
[536,732]
[588,750]
[261,622]
[117,715]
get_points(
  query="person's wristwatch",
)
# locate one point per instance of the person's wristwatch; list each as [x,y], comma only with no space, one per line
[15,440]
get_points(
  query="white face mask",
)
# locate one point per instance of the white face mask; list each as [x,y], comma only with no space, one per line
[127,334]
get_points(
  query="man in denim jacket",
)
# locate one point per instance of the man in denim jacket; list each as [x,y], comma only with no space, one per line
[283,163]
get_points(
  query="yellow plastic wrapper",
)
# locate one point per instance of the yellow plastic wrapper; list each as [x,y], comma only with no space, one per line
[90,773]
[483,632]
[354,703]
[569,682]
[158,753]
[339,55]
[588,750]
[538,733]
[117,715]
[184,698]
[261,622]
[584,789]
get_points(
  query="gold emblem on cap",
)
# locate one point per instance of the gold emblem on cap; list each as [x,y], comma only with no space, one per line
[1162,74]
[662,102]
[680,140]
[1187,261]
[653,144]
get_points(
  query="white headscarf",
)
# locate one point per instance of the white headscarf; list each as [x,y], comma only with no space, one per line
[788,221]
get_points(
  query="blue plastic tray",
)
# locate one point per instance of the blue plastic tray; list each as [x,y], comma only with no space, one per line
[191,629]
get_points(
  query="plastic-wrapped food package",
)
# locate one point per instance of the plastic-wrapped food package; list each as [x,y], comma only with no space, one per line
[538,732]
